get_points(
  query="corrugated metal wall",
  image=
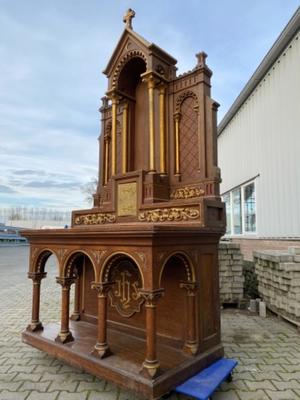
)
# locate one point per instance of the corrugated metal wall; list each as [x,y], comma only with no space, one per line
[263,139]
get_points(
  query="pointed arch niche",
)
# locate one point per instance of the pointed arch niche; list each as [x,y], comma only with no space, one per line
[134,126]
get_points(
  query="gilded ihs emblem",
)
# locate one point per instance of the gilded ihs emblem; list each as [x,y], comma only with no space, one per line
[125,296]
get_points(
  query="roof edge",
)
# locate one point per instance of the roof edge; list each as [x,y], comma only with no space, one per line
[285,37]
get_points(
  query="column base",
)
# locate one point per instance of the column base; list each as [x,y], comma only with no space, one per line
[101,350]
[35,326]
[75,317]
[64,337]
[191,348]
[150,369]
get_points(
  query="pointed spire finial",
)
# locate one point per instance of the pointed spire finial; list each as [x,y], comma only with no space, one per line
[130,14]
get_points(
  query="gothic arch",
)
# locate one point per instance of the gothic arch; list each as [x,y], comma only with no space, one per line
[68,266]
[180,99]
[111,260]
[39,260]
[188,265]
[128,56]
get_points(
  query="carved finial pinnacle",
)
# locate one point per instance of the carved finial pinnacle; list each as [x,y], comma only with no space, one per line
[127,19]
[201,57]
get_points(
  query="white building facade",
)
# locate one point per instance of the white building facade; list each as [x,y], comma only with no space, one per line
[259,151]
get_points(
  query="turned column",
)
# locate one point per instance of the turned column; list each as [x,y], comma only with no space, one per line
[76,313]
[125,139]
[36,277]
[65,334]
[162,130]
[102,349]
[177,117]
[191,342]
[151,365]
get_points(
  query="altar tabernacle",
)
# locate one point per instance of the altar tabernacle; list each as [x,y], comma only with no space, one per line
[144,259]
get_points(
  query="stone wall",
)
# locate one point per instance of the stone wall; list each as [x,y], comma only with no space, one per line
[278,274]
[231,273]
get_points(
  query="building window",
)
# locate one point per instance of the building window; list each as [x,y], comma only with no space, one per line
[241,210]
[249,208]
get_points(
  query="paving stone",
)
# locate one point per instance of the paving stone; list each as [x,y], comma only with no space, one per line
[45,396]
[97,386]
[282,395]
[230,395]
[63,385]
[6,395]
[104,396]
[256,395]
[287,385]
[22,376]
[72,396]
[255,385]
[39,386]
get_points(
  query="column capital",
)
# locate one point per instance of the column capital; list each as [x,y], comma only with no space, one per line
[177,116]
[113,95]
[37,276]
[102,288]
[65,282]
[190,287]
[151,296]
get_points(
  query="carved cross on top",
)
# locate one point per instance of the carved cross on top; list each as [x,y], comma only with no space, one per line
[130,14]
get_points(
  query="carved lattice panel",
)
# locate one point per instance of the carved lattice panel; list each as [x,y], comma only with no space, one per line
[189,151]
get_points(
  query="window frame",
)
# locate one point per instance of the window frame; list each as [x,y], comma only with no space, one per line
[242,196]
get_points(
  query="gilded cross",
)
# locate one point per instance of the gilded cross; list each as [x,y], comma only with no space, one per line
[130,14]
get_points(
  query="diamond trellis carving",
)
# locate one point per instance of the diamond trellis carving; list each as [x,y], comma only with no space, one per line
[189,152]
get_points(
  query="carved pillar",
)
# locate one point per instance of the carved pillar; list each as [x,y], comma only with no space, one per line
[106,158]
[162,130]
[76,313]
[65,334]
[102,349]
[151,365]
[191,342]
[177,117]
[114,104]
[151,84]
[36,277]
[125,139]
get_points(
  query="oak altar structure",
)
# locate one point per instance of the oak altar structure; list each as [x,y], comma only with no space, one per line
[144,258]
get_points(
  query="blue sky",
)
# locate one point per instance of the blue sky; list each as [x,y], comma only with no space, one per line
[52,54]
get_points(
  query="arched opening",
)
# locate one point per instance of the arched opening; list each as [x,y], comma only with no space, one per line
[171,310]
[83,299]
[50,290]
[135,91]
[125,303]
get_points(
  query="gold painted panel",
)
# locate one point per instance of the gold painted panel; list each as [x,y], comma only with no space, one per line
[127,199]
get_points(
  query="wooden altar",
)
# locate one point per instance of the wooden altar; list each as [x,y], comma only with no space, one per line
[144,259]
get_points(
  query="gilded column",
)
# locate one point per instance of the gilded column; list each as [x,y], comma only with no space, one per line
[177,117]
[191,342]
[151,84]
[114,104]
[101,348]
[106,158]
[151,365]
[36,277]
[65,334]
[162,130]
[125,139]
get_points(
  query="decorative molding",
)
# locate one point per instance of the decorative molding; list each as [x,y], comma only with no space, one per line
[169,214]
[180,99]
[98,255]
[187,193]
[95,219]
[141,255]
[61,253]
